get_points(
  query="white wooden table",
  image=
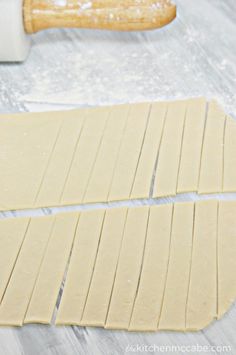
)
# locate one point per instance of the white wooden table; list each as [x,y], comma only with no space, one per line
[194,56]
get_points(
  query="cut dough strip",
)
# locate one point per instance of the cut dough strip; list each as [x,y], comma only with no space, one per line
[202,296]
[229,176]
[211,172]
[170,151]
[129,153]
[101,177]
[226,256]
[176,290]
[51,272]
[85,156]
[192,146]
[105,268]
[147,306]
[55,176]
[12,234]
[150,151]
[81,268]
[18,293]
[128,271]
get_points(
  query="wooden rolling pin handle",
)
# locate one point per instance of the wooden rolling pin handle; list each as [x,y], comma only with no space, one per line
[123,15]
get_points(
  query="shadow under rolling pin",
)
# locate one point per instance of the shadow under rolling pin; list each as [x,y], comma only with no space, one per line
[20,18]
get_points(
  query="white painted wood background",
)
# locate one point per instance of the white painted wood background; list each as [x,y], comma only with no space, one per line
[194,56]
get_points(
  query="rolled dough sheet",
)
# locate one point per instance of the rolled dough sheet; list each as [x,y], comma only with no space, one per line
[97,304]
[229,176]
[170,151]
[188,178]
[176,290]
[202,296]
[128,270]
[85,156]
[211,171]
[12,234]
[226,256]
[18,293]
[150,151]
[148,302]
[47,287]
[130,151]
[81,267]
[103,171]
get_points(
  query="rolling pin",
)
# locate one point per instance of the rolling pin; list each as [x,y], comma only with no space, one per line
[20,18]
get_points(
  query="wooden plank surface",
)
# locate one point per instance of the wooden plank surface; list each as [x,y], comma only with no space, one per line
[194,56]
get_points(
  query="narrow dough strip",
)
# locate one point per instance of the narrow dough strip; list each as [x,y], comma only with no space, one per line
[202,297]
[170,151]
[128,270]
[85,156]
[176,291]
[129,153]
[52,270]
[226,256]
[81,267]
[96,308]
[229,179]
[27,158]
[12,234]
[192,146]
[49,161]
[147,307]
[101,178]
[60,162]
[151,146]
[17,296]
[211,171]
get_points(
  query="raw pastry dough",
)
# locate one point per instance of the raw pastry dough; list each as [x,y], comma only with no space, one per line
[141,269]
